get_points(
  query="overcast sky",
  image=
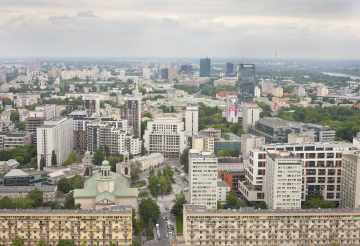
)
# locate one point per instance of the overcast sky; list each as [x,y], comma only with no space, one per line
[182,28]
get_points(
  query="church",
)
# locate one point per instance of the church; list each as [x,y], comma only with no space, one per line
[106,188]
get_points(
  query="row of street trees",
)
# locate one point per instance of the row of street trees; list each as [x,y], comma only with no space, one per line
[162,182]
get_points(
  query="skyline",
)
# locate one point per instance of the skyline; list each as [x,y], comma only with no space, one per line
[233,29]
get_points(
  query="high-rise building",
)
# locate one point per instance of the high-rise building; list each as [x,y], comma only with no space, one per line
[229,68]
[300,91]
[91,105]
[186,68]
[192,120]
[173,73]
[164,73]
[165,135]
[251,114]
[132,113]
[203,172]
[350,186]
[267,85]
[205,65]
[283,181]
[37,65]
[56,134]
[232,108]
[246,76]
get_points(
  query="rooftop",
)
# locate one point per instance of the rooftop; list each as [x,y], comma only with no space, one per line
[274,122]
[194,153]
[44,188]
[222,183]
[351,157]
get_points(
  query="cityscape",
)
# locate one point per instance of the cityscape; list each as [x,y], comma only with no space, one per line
[177,124]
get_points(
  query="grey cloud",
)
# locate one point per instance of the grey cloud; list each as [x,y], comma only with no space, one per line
[88,13]
[80,14]
[62,17]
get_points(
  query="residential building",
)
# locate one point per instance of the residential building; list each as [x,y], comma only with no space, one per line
[106,189]
[267,85]
[345,91]
[25,177]
[283,181]
[131,111]
[203,178]
[32,123]
[322,133]
[166,136]
[91,105]
[116,224]
[211,132]
[173,73]
[192,120]
[300,91]
[232,177]
[322,91]
[251,114]
[275,130]
[301,137]
[249,141]
[233,144]
[205,65]
[232,108]
[257,92]
[350,186]
[203,143]
[204,226]
[9,164]
[148,162]
[7,126]
[222,94]
[56,134]
[229,68]
[11,140]
[222,191]
[279,92]
[49,192]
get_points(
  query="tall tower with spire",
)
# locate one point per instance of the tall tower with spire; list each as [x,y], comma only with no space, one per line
[87,162]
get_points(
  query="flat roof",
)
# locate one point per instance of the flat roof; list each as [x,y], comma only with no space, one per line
[351,157]
[44,188]
[274,122]
[222,183]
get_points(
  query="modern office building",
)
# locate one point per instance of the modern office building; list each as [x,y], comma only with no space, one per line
[165,135]
[192,120]
[131,111]
[205,65]
[203,178]
[11,140]
[321,133]
[232,177]
[164,73]
[283,180]
[56,134]
[350,186]
[25,177]
[186,68]
[203,143]
[229,68]
[232,108]
[246,76]
[92,227]
[251,114]
[91,105]
[275,130]
[211,132]
[249,141]
[232,144]
[249,226]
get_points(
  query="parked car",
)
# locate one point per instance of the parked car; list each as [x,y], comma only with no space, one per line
[143,233]
[166,235]
[166,208]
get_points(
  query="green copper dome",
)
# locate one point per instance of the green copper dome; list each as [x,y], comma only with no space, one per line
[105,163]
[126,152]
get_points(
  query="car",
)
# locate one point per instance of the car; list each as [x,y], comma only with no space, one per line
[164,218]
[143,233]
[166,235]
[166,208]
[159,238]
[170,233]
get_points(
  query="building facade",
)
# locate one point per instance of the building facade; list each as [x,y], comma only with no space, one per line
[211,132]
[166,136]
[232,177]
[149,162]
[274,130]
[203,143]
[131,111]
[203,178]
[251,114]
[91,105]
[350,186]
[249,141]
[205,65]
[192,120]
[49,192]
[11,140]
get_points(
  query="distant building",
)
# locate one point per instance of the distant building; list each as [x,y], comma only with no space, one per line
[205,65]
[229,68]
[300,91]
[49,192]
[251,114]
[9,164]
[274,130]
[186,68]
[148,162]
[301,138]
[246,76]
[25,177]
[11,140]
[345,91]
[279,92]
[232,108]
[131,111]
[91,105]
[233,144]
[350,186]
[249,141]
[37,65]
[322,91]
[164,73]
[211,132]
[192,120]
[267,85]
[203,143]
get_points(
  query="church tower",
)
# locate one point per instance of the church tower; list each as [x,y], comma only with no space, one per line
[125,165]
[87,162]
[106,182]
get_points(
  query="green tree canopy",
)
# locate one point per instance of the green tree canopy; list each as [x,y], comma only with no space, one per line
[135,171]
[36,196]
[148,210]
[64,185]
[72,158]
[179,201]
[18,241]
[184,159]
[53,158]
[98,157]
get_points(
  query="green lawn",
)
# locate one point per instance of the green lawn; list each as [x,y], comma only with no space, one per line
[140,183]
[179,224]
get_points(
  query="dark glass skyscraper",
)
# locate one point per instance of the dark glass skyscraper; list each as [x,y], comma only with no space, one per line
[205,67]
[186,68]
[229,68]
[246,76]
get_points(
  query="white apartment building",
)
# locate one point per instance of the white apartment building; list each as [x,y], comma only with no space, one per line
[222,191]
[203,174]
[267,85]
[48,110]
[350,186]
[321,164]
[250,141]
[322,91]
[283,181]
[251,114]
[278,91]
[300,91]
[192,120]
[151,161]
[56,134]
[203,143]
[165,135]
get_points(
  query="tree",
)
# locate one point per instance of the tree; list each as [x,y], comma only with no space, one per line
[135,171]
[6,202]
[36,196]
[143,194]
[72,158]
[98,157]
[70,202]
[153,185]
[335,244]
[64,242]
[231,199]
[143,149]
[107,151]
[184,159]
[135,223]
[41,242]
[179,201]
[18,241]
[159,174]
[262,205]
[14,115]
[23,202]
[148,210]
[64,185]
[220,205]
[42,163]
[163,185]
[77,182]
[53,158]
[112,161]
[317,203]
